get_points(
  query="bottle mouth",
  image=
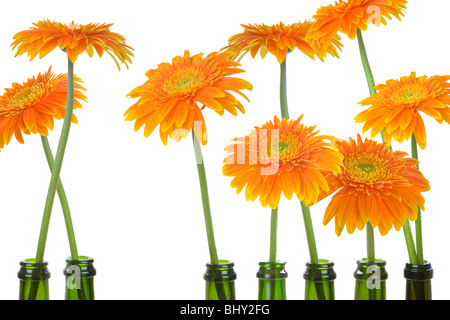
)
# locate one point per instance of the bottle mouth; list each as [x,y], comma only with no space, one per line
[376,268]
[83,266]
[31,263]
[272,270]
[219,272]
[418,271]
[318,272]
[223,263]
[275,263]
[323,263]
[378,262]
[36,271]
[425,265]
[81,260]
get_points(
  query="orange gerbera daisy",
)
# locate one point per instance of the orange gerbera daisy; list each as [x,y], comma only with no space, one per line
[348,16]
[277,39]
[31,107]
[74,38]
[376,185]
[397,103]
[281,156]
[172,92]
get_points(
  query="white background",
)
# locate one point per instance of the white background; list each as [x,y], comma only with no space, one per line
[136,203]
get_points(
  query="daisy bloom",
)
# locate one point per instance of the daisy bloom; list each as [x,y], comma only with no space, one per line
[277,39]
[32,106]
[75,39]
[281,156]
[347,16]
[376,185]
[175,93]
[398,103]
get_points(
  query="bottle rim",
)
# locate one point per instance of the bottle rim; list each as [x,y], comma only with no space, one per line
[223,263]
[318,272]
[34,271]
[273,263]
[31,262]
[378,262]
[323,263]
[418,271]
[84,266]
[223,271]
[362,271]
[80,260]
[272,270]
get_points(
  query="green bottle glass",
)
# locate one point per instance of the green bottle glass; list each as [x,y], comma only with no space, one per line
[272,280]
[319,280]
[370,280]
[418,281]
[220,281]
[79,278]
[33,278]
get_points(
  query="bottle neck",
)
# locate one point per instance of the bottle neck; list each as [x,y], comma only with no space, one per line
[320,271]
[272,270]
[418,272]
[377,268]
[34,271]
[224,270]
[84,267]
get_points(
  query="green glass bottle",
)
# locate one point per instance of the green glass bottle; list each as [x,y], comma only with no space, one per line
[418,281]
[33,278]
[370,280]
[220,281]
[272,280]
[79,278]
[319,280]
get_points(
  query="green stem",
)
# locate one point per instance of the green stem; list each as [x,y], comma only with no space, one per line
[410,243]
[284,114]
[418,222]
[305,210]
[205,200]
[63,199]
[365,62]
[57,165]
[273,235]
[371,85]
[283,90]
[414,152]
[370,244]
[214,259]
[310,234]
[367,69]
[313,256]
[370,254]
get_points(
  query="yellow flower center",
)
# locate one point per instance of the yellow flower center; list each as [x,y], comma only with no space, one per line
[410,95]
[288,147]
[25,97]
[184,81]
[364,168]
[283,146]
